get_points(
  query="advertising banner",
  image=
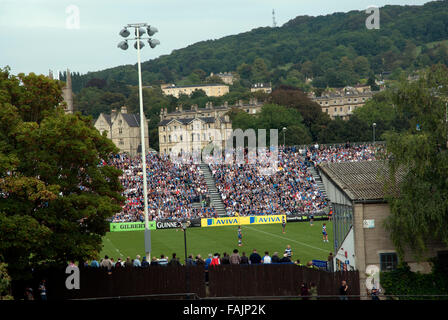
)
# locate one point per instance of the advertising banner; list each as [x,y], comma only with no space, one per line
[131,226]
[168,224]
[235,221]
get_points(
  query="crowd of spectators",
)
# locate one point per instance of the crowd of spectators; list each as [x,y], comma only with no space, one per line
[290,190]
[341,153]
[173,188]
[178,190]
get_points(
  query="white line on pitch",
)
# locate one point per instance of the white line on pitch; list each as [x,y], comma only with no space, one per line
[273,234]
[116,249]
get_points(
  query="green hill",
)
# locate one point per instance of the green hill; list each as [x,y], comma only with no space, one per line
[335,50]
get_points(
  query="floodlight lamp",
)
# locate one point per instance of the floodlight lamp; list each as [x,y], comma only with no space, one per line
[139,32]
[123,45]
[124,33]
[152,30]
[153,43]
[141,44]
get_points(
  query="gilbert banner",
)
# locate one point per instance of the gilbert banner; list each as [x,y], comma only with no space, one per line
[131,226]
[235,221]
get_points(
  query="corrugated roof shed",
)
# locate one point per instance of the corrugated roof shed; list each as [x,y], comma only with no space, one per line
[362,180]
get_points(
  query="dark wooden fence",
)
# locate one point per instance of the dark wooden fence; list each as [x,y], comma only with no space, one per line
[121,282]
[224,281]
[276,280]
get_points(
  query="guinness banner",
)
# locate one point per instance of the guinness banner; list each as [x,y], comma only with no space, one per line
[168,224]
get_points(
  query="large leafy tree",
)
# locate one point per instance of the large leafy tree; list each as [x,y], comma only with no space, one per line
[55,194]
[420,212]
[313,117]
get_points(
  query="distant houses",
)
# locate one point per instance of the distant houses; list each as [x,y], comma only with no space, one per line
[211,90]
[342,102]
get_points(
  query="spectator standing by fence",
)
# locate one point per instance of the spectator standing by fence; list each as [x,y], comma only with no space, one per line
[266,259]
[43,290]
[255,258]
[163,261]
[106,263]
[343,290]
[330,267]
[235,257]
[137,262]
[244,259]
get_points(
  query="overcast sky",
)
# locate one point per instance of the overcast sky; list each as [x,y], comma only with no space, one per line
[38,35]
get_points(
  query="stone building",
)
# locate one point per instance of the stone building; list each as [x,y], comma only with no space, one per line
[123,129]
[342,102]
[211,90]
[193,129]
[356,192]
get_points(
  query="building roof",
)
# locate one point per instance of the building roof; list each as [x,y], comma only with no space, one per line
[363,180]
[132,119]
[188,120]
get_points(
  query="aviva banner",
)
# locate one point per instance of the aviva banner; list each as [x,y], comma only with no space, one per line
[235,221]
[131,226]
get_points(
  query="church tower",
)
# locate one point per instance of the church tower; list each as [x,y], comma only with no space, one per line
[67,93]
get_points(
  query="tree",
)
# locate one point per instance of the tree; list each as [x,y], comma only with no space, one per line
[420,211]
[56,194]
[311,112]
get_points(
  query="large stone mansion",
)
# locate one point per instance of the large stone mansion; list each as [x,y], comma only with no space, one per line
[123,129]
[192,130]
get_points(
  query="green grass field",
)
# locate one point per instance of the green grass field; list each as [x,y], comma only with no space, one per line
[305,240]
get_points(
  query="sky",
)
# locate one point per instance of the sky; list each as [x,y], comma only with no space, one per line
[82,35]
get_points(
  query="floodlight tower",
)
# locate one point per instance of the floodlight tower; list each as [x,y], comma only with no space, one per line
[139,30]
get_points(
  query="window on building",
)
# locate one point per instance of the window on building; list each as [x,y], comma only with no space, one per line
[164,139]
[121,142]
[169,139]
[120,130]
[335,109]
[120,122]
[340,109]
[192,137]
[181,138]
[388,261]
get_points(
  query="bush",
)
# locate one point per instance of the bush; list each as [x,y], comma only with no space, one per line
[402,281]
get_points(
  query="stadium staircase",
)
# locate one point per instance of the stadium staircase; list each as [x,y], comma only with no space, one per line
[318,180]
[215,197]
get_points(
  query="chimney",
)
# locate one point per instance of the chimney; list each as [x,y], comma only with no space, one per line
[226,104]
[240,103]
[113,114]
[124,109]
[207,105]
[226,118]
[161,114]
[255,101]
[180,107]
[211,105]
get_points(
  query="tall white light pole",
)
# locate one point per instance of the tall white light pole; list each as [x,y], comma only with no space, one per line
[139,31]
